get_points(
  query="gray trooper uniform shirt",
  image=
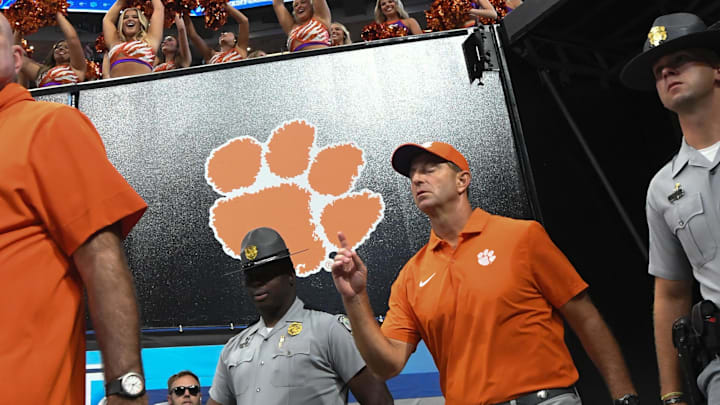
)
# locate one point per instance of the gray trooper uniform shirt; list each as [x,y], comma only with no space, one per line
[683,219]
[307,358]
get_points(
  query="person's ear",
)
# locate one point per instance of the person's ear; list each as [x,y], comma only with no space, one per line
[463,181]
[17,53]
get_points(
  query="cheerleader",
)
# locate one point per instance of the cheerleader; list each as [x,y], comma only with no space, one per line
[391,14]
[174,51]
[65,64]
[307,27]
[132,39]
[232,47]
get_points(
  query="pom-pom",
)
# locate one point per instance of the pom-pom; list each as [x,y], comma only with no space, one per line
[215,13]
[29,49]
[371,32]
[448,14]
[93,70]
[25,16]
[395,30]
[374,31]
[143,5]
[100,45]
[501,10]
[178,7]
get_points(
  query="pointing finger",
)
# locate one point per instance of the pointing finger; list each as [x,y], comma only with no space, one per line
[343,241]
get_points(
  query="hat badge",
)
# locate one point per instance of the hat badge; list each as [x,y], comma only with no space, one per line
[251,252]
[657,35]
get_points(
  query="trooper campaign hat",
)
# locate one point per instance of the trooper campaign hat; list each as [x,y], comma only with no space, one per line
[262,246]
[404,154]
[669,33]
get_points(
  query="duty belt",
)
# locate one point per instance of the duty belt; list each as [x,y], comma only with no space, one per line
[537,397]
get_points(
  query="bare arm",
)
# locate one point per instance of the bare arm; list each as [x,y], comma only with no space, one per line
[30,68]
[111,299]
[197,42]
[243,35]
[212,402]
[157,22]
[184,47]
[369,390]
[284,17]
[486,10]
[672,300]
[77,55]
[106,66]
[513,4]
[321,11]
[385,357]
[599,343]
[414,26]
[110,23]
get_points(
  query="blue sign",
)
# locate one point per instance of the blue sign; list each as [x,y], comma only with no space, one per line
[419,378]
[87,6]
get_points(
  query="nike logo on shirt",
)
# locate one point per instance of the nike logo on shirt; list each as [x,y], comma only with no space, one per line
[422,283]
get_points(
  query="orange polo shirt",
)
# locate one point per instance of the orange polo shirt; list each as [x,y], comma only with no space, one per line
[57,188]
[487,310]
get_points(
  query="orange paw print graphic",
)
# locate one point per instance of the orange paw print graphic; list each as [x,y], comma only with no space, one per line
[289,184]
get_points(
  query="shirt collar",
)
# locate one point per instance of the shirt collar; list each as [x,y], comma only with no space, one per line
[478,219]
[690,155]
[13,93]
[293,314]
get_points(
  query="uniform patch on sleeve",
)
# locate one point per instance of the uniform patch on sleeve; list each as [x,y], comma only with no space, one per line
[345,321]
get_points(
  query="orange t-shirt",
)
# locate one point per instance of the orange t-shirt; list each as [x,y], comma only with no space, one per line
[57,188]
[487,310]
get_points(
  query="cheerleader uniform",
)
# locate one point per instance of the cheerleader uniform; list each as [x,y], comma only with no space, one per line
[311,33]
[61,74]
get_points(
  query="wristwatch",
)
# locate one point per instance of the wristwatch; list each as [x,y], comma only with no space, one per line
[130,385]
[627,399]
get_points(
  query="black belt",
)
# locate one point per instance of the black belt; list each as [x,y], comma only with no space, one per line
[537,397]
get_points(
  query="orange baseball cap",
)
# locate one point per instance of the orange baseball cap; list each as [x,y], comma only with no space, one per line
[404,154]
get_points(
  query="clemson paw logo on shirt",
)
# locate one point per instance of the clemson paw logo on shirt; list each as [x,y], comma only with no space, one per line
[486,257]
[289,184]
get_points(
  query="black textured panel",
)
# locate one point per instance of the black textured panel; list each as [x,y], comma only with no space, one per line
[159,134]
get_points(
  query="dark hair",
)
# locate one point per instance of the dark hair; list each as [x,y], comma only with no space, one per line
[49,60]
[161,55]
[183,373]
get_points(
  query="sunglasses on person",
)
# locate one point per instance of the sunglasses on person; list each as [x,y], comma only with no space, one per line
[180,390]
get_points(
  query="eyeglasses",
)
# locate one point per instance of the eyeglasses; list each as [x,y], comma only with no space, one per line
[180,390]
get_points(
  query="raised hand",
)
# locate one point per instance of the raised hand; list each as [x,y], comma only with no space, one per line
[348,271]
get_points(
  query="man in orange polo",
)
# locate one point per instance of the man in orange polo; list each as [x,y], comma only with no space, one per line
[487,294]
[63,211]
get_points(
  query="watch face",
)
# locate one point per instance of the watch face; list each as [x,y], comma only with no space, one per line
[133,384]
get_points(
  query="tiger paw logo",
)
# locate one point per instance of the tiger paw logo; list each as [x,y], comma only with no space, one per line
[289,184]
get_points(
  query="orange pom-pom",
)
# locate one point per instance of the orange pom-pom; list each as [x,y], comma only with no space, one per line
[215,13]
[501,10]
[448,14]
[93,70]
[374,31]
[100,46]
[371,32]
[25,16]
[143,5]
[178,7]
[29,49]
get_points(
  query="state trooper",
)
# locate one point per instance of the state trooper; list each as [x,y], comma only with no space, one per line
[681,61]
[292,354]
